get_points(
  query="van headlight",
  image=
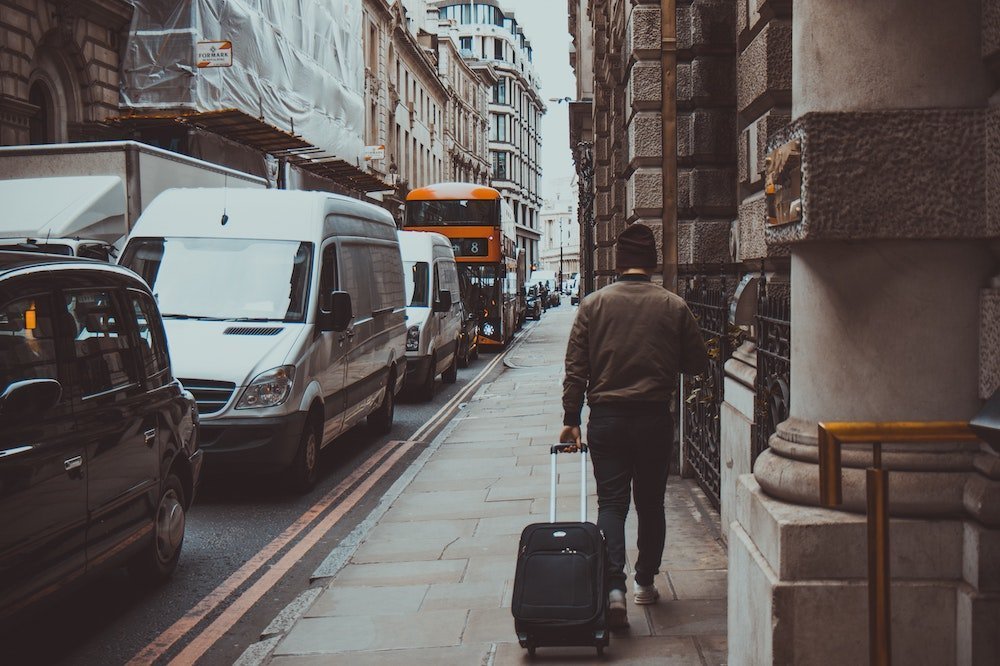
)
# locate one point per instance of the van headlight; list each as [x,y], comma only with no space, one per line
[413,338]
[268,389]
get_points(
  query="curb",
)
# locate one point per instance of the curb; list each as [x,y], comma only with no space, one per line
[260,652]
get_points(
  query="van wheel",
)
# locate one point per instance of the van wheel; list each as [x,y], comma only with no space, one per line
[158,560]
[451,374]
[380,421]
[303,472]
[426,390]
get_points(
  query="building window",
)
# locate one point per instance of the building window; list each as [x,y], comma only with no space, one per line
[465,43]
[500,166]
[498,49]
[500,92]
[499,128]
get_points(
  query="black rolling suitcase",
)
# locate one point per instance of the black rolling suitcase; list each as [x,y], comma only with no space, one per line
[560,586]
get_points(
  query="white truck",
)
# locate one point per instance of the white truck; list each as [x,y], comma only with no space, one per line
[83,198]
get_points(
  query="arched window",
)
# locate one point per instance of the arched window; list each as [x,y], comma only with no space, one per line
[41,126]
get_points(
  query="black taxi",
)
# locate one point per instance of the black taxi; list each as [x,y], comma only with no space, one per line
[99,459]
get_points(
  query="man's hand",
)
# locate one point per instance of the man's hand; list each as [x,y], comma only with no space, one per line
[570,434]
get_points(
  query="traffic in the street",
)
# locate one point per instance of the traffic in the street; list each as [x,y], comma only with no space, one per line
[480,332]
[236,531]
[251,475]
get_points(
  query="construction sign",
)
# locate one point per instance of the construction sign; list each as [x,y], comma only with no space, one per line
[214,54]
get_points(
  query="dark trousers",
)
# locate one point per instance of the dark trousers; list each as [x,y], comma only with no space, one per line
[630,451]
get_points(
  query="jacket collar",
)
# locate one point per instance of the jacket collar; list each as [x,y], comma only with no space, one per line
[634,277]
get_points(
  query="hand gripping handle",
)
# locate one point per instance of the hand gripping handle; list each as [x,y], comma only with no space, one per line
[569,448]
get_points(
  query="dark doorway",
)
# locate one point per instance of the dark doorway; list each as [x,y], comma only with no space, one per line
[40,126]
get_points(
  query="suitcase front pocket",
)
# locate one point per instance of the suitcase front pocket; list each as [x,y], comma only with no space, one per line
[558,585]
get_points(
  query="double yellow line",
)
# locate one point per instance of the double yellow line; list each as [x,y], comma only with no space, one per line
[347,495]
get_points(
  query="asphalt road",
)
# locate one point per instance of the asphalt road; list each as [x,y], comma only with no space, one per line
[111,620]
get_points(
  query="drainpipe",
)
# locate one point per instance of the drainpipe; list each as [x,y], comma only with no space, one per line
[668,111]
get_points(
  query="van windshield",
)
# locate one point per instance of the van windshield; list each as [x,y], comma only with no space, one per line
[417,274]
[224,278]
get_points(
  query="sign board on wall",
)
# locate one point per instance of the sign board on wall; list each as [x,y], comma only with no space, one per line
[214,54]
[374,153]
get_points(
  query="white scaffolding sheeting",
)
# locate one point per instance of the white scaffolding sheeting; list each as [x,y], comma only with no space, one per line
[296,65]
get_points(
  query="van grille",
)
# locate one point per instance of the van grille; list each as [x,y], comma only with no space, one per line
[252,330]
[210,395]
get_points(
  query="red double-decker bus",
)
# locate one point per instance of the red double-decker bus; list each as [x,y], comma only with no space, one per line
[480,225]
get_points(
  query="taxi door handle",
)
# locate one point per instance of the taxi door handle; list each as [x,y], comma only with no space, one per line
[150,436]
[73,466]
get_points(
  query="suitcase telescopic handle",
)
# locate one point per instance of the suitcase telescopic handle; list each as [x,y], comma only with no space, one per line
[569,448]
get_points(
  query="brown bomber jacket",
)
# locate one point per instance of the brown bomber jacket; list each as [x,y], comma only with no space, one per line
[629,341]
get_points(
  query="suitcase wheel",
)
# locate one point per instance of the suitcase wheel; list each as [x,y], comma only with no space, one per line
[531,650]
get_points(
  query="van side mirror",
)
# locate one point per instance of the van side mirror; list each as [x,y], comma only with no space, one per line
[443,302]
[30,397]
[336,311]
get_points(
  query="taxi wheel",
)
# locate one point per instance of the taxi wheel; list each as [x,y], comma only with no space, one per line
[158,560]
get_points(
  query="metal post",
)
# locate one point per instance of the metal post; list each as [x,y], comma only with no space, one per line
[879,616]
[560,257]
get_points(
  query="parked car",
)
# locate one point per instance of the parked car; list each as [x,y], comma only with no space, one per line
[285,315]
[434,312]
[99,457]
[533,307]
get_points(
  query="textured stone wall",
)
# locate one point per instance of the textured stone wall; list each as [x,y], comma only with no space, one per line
[764,97]
[935,170]
[628,126]
[75,44]
[706,130]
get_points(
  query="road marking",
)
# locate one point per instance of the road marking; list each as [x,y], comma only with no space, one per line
[444,413]
[216,597]
[229,617]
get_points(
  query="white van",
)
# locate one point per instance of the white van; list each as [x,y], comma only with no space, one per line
[433,310]
[284,315]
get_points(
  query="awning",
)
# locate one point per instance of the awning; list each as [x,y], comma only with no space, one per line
[243,128]
[63,207]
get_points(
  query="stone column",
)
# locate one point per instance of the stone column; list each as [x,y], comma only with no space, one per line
[889,266]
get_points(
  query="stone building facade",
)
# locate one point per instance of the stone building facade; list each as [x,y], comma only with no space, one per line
[560,245]
[418,103]
[822,164]
[470,82]
[59,68]
[489,32]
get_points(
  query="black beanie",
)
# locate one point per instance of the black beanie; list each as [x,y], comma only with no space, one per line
[636,248]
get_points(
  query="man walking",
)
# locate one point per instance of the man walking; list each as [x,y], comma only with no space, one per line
[628,343]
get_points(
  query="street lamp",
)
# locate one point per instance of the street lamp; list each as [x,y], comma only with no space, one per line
[560,256]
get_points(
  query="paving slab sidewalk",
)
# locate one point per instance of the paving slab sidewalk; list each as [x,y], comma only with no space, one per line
[431,580]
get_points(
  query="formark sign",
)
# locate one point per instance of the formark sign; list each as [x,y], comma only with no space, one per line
[214,54]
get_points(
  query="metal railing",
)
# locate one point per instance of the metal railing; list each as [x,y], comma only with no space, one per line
[831,437]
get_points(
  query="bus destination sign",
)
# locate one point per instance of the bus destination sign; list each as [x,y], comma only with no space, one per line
[470,247]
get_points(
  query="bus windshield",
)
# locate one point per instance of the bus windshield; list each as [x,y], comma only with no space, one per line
[453,212]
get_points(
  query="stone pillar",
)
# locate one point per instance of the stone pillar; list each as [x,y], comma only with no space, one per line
[890,264]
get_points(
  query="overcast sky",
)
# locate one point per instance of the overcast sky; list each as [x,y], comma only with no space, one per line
[545,25]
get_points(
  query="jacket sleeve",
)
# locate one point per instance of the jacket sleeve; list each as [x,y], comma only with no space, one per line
[577,369]
[694,355]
